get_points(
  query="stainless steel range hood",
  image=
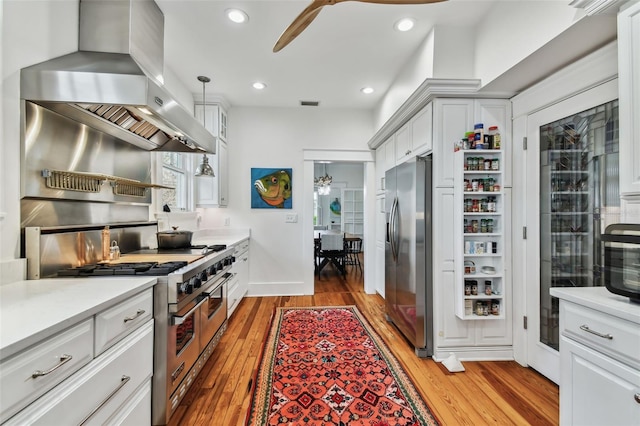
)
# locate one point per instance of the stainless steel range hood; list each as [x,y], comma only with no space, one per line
[112,82]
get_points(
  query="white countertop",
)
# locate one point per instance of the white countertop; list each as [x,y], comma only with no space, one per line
[227,236]
[33,310]
[601,299]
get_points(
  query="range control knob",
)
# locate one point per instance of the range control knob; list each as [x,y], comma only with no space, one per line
[204,276]
[212,270]
[188,288]
[220,266]
[197,282]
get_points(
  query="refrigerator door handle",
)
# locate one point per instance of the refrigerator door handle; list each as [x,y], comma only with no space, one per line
[394,230]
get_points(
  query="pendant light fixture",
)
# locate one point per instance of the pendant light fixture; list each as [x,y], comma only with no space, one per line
[323,182]
[204,169]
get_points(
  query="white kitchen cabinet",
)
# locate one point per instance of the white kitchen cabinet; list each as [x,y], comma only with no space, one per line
[104,386]
[389,154]
[599,358]
[453,117]
[415,137]
[41,367]
[239,284]
[352,214]
[629,89]
[381,167]
[213,192]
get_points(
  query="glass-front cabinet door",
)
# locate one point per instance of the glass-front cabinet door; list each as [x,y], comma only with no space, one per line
[578,198]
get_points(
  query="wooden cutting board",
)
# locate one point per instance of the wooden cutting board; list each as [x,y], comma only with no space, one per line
[160,258]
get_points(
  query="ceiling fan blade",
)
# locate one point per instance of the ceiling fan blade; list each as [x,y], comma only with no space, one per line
[299,24]
[393,1]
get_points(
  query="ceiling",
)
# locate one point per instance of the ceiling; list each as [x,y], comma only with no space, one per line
[348,46]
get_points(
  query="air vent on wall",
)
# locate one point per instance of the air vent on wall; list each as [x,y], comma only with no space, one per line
[309,103]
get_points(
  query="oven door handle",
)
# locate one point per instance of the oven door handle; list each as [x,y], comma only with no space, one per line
[217,285]
[179,319]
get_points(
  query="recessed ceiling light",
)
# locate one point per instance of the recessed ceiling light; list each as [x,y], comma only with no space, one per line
[367,90]
[236,15]
[259,85]
[404,24]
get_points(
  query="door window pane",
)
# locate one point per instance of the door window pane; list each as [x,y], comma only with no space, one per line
[578,198]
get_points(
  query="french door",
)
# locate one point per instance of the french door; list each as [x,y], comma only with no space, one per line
[572,182]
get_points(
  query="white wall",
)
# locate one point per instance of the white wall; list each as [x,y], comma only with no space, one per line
[32,32]
[509,33]
[276,137]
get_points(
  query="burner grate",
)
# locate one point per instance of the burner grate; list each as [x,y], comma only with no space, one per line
[105,269]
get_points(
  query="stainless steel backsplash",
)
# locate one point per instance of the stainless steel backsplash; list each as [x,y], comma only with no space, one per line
[53,142]
[49,249]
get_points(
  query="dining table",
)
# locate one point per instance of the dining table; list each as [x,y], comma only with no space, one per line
[321,261]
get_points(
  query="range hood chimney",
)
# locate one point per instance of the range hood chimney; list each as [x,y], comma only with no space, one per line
[114,82]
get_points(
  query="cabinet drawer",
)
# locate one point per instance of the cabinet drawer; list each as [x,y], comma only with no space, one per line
[137,410]
[241,247]
[97,391]
[120,320]
[48,362]
[234,294]
[603,332]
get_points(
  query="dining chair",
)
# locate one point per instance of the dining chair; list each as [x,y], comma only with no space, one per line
[354,248]
[332,250]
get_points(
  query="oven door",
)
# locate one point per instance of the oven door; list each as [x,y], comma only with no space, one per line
[213,312]
[183,343]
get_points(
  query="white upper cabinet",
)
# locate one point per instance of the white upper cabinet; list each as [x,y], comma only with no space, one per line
[213,192]
[415,137]
[629,89]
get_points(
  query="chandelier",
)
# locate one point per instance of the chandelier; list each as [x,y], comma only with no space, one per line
[323,183]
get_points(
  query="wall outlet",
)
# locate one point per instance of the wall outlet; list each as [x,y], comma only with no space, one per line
[291,218]
[227,221]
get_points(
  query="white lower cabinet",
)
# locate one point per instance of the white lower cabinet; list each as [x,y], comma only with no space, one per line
[239,285]
[599,358]
[595,389]
[35,371]
[109,386]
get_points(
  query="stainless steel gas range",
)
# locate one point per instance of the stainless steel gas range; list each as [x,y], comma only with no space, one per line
[190,297]
[190,313]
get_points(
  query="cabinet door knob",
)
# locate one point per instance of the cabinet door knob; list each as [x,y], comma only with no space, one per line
[637,397]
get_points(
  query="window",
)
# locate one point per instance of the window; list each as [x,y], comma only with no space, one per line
[175,172]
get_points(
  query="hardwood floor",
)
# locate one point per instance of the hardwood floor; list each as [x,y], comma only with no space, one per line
[498,393]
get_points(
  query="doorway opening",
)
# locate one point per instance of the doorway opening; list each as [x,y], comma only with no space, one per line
[362,162]
[339,209]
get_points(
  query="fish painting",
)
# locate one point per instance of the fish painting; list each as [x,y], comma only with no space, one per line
[273,188]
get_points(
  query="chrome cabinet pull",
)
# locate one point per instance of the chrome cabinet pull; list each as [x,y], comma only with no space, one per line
[177,320]
[138,313]
[63,360]
[586,328]
[123,381]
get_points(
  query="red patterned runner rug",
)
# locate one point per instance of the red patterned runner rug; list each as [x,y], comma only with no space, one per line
[326,366]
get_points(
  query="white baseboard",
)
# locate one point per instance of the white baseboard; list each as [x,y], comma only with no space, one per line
[276,289]
[500,353]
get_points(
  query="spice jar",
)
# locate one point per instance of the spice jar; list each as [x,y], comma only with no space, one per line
[475,206]
[467,288]
[475,226]
[487,164]
[495,307]
[495,164]
[495,137]
[474,288]
[479,308]
[487,288]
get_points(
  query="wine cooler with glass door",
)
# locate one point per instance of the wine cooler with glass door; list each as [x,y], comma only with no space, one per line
[579,197]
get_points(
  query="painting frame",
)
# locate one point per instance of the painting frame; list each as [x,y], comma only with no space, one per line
[271,188]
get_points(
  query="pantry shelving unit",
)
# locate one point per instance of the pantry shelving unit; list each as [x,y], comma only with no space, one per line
[480,215]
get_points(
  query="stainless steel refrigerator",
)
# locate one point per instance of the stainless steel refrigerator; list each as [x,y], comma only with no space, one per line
[408,252]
